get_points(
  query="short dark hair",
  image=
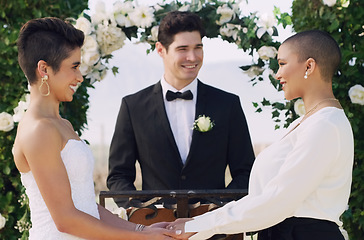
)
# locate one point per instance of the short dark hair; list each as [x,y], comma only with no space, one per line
[49,39]
[320,46]
[175,22]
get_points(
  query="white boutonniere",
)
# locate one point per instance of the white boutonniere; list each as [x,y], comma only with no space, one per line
[203,124]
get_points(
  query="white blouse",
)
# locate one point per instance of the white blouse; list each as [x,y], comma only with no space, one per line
[306,174]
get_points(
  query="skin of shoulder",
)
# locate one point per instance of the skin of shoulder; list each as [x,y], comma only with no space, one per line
[41,144]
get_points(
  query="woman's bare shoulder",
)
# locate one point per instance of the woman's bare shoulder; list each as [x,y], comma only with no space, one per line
[38,133]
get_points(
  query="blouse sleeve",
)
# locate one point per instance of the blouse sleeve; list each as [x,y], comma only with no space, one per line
[315,148]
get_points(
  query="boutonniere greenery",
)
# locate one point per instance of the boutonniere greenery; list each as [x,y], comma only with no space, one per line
[203,124]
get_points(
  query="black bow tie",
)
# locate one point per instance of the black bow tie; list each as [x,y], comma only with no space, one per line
[170,96]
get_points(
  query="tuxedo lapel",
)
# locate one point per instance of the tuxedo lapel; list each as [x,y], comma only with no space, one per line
[201,99]
[161,111]
[200,109]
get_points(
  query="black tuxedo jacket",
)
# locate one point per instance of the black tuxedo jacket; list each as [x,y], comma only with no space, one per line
[143,133]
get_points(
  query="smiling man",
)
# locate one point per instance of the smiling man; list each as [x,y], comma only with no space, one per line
[155,125]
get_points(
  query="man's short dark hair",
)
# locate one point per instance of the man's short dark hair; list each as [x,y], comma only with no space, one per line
[176,22]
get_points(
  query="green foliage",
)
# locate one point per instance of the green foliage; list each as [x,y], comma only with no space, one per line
[346,26]
[13,84]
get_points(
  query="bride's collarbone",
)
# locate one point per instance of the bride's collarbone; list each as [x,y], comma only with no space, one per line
[66,130]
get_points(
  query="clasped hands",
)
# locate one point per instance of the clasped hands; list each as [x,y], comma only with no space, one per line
[177,227]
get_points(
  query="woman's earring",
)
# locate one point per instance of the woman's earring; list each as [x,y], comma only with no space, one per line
[44,81]
[305,77]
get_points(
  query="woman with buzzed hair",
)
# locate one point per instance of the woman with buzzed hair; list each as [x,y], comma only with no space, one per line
[300,185]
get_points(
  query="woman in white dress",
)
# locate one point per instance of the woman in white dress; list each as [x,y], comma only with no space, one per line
[55,165]
[299,186]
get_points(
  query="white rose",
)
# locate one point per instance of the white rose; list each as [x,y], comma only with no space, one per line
[299,107]
[20,109]
[203,124]
[329,3]
[6,122]
[143,16]
[90,51]
[254,71]
[90,44]
[2,221]
[84,25]
[154,33]
[356,94]
[226,14]
[90,58]
[267,52]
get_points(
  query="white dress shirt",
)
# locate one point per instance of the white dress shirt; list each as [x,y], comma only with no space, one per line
[181,115]
[306,174]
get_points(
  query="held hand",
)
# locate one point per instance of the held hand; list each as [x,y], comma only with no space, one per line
[179,227]
[160,229]
[160,225]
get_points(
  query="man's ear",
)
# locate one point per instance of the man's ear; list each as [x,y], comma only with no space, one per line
[160,48]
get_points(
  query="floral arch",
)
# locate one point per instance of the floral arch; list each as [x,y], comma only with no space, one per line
[255,34]
[106,32]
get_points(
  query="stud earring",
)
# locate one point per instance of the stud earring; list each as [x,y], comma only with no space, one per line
[44,81]
[306,76]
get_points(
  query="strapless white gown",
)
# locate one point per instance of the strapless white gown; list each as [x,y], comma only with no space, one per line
[79,162]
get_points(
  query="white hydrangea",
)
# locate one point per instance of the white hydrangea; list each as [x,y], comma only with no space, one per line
[122,12]
[356,94]
[143,16]
[265,24]
[267,52]
[109,38]
[299,107]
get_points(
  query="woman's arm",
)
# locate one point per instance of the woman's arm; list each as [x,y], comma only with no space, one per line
[42,151]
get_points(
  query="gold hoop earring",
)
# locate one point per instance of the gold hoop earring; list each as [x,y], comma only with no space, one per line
[306,76]
[44,81]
